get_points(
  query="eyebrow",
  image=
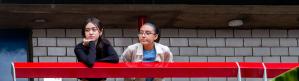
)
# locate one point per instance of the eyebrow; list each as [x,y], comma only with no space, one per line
[91,28]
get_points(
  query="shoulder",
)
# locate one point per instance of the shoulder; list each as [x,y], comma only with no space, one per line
[80,45]
[134,46]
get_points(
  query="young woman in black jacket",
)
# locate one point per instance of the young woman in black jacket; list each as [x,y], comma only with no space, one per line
[94,48]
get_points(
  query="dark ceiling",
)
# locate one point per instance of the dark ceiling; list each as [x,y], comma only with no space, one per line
[165,15]
[197,2]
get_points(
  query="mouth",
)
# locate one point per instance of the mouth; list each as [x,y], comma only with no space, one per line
[143,40]
[91,37]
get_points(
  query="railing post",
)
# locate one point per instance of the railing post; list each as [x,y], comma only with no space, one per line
[239,72]
[265,72]
[141,20]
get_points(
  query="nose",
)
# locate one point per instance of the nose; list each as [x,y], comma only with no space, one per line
[90,32]
[143,35]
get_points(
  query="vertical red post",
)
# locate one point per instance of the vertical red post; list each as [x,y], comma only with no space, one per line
[141,20]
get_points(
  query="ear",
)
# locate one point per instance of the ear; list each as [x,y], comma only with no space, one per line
[156,36]
[101,32]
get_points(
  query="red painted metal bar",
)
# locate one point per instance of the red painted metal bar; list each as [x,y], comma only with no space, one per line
[120,70]
[141,20]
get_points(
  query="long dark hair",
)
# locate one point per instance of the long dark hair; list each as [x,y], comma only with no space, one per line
[156,29]
[99,24]
[94,21]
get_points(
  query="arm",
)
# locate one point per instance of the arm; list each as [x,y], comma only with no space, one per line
[168,55]
[126,56]
[112,55]
[87,55]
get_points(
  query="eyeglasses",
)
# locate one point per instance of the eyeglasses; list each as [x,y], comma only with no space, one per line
[145,33]
[91,29]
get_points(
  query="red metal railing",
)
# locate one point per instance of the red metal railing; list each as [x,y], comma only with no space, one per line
[124,70]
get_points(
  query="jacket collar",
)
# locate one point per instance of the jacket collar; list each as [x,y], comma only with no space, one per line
[140,49]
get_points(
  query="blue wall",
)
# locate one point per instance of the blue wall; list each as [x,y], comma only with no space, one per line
[13,47]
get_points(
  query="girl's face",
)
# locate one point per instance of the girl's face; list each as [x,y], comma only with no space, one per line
[147,35]
[92,32]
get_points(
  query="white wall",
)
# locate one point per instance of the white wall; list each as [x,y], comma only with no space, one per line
[188,45]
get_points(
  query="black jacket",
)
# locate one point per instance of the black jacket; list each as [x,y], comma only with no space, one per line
[102,52]
[92,53]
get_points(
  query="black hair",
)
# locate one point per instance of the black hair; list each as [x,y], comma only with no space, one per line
[94,21]
[99,24]
[156,29]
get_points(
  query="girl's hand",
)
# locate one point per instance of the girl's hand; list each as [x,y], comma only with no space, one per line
[86,41]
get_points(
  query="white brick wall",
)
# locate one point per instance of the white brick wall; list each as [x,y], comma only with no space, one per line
[55,32]
[260,33]
[199,79]
[206,33]
[278,33]
[46,41]
[35,59]
[216,59]
[271,59]
[206,51]
[112,32]
[69,79]
[242,33]
[39,33]
[288,42]
[66,42]
[270,42]
[119,50]
[187,33]
[169,32]
[188,51]
[130,32]
[180,79]
[216,42]
[79,40]
[225,51]
[56,51]
[252,42]
[73,33]
[181,58]
[234,59]
[224,33]
[261,51]
[123,41]
[294,51]
[187,45]
[197,42]
[135,40]
[47,59]
[234,79]
[288,59]
[178,42]
[253,59]
[279,51]
[234,42]
[254,79]
[175,50]
[111,40]
[198,59]
[70,51]
[34,41]
[39,51]
[67,59]
[164,41]
[293,33]
[243,51]
[217,79]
